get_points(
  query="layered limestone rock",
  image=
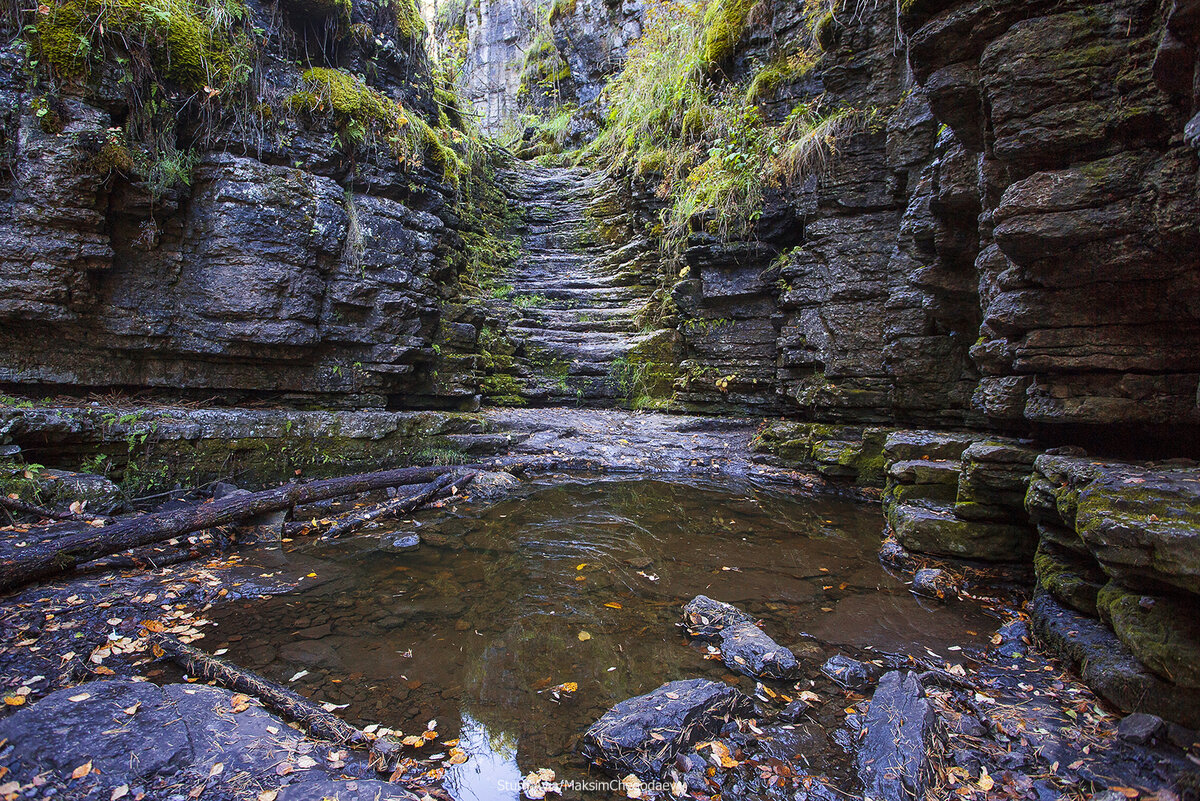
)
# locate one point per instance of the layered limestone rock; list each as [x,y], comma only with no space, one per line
[1121,542]
[282,261]
[1087,199]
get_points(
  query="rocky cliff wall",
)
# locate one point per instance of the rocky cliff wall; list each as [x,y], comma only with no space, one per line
[1009,244]
[297,256]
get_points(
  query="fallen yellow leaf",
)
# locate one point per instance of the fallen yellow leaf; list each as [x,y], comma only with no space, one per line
[584,636]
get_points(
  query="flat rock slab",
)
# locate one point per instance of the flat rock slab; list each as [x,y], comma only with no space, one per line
[643,735]
[167,741]
[745,648]
[893,758]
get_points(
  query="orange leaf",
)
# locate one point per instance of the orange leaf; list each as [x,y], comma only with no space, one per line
[82,770]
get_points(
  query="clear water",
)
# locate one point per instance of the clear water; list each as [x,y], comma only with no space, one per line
[473,628]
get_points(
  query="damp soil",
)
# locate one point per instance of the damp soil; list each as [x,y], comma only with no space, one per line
[582,581]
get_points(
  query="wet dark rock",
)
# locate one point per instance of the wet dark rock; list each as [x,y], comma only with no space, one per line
[933,583]
[969,726]
[705,618]
[745,648]
[850,673]
[682,713]
[1141,728]
[178,732]
[893,758]
[794,711]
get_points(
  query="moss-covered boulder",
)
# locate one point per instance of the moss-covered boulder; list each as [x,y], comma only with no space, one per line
[1072,579]
[1143,525]
[940,533]
[1163,632]
[920,482]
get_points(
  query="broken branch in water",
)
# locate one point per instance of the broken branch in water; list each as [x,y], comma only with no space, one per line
[356,520]
[293,706]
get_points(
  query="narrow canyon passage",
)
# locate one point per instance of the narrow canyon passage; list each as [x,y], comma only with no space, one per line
[575,301]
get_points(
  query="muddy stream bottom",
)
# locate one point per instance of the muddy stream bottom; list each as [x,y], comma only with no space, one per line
[582,582]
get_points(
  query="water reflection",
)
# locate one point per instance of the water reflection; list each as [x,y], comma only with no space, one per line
[491,772]
[577,582]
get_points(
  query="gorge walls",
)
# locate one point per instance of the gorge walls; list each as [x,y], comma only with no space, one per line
[282,238]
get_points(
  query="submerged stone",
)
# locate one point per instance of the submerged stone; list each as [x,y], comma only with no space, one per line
[643,735]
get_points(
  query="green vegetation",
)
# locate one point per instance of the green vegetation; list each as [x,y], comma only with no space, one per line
[363,114]
[705,140]
[194,45]
[724,25]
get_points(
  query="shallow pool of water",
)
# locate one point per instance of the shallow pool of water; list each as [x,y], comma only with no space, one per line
[580,582]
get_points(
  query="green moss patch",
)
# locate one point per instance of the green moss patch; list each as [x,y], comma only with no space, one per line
[184,45]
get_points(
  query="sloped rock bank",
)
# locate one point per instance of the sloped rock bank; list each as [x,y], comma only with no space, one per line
[117,738]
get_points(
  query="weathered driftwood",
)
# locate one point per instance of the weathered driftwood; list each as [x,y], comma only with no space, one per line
[398,506]
[293,706]
[44,559]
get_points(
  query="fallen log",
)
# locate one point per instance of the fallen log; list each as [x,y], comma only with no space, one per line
[19,506]
[357,519]
[44,559]
[291,705]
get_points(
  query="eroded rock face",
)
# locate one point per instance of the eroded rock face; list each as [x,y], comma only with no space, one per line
[286,268]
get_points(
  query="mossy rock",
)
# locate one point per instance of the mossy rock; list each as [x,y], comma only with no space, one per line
[938,532]
[1072,580]
[184,48]
[724,25]
[1107,665]
[1163,632]
[1143,525]
[837,458]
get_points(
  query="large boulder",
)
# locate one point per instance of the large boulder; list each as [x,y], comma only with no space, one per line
[893,758]
[643,735]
